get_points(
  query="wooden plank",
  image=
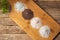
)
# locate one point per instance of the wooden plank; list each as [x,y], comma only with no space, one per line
[55,13]
[43,4]
[49,4]
[17,17]
[51,7]
[3,15]
[58,37]
[7,22]
[58,21]
[14,37]
[11,30]
[49,0]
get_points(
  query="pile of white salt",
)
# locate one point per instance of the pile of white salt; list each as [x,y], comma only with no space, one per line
[19,6]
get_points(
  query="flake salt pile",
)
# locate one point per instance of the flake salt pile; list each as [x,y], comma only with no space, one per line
[19,6]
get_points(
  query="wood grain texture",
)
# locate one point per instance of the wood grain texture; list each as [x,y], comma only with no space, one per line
[50,6]
[47,20]
[14,37]
[6,22]
[3,15]
[11,30]
[49,0]
[54,13]
[58,37]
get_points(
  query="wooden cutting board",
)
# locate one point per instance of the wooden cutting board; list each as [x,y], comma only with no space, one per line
[38,12]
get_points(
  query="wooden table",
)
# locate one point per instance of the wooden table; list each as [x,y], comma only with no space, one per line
[9,28]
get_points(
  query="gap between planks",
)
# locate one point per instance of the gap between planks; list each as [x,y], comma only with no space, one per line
[11,30]
[14,37]
[50,4]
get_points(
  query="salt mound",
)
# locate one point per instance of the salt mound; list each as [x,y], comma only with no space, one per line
[19,6]
[35,22]
[45,31]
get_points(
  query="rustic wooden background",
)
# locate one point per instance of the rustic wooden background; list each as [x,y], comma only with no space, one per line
[9,30]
